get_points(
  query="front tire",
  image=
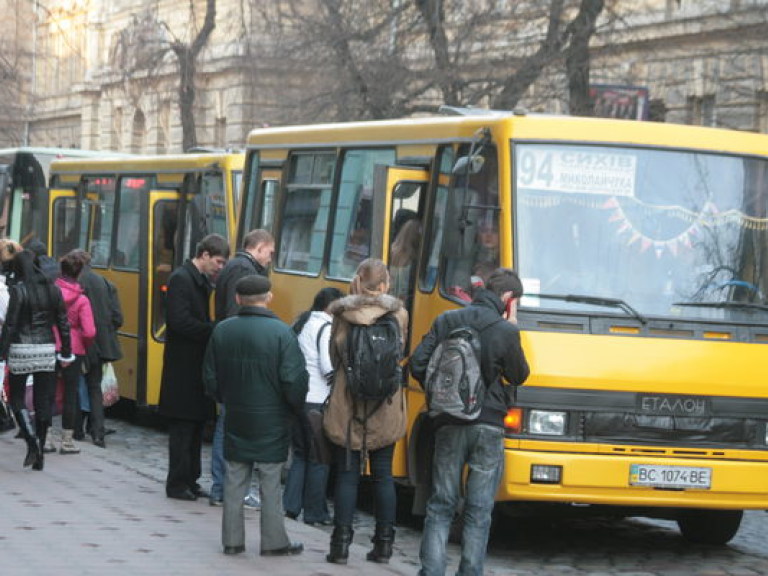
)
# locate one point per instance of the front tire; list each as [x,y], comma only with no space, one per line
[713,527]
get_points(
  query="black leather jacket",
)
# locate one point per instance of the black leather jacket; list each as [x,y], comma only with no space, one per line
[27,324]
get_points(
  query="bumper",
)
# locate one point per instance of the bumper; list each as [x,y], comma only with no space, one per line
[593,478]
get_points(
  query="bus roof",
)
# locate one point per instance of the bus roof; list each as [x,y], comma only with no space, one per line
[69,152]
[160,163]
[436,129]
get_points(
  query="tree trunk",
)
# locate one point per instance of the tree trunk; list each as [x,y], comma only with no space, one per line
[187,57]
[187,94]
[577,58]
[434,16]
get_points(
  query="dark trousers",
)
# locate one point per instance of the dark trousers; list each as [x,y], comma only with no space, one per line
[185,443]
[44,391]
[71,377]
[348,479]
[93,382]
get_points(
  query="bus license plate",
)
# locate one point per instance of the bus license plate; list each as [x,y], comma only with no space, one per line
[670,476]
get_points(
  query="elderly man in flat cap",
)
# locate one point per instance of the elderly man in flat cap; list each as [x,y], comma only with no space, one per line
[254,366]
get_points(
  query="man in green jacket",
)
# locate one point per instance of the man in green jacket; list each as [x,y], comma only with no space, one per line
[254,366]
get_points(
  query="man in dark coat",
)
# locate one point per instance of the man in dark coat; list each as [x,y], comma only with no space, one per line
[254,258]
[108,317]
[182,397]
[255,367]
[477,444]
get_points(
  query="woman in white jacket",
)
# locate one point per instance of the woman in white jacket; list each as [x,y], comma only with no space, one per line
[305,485]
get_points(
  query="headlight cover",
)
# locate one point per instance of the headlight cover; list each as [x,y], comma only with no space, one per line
[547,422]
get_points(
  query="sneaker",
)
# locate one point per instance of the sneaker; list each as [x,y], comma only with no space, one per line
[49,447]
[324,522]
[252,502]
[216,501]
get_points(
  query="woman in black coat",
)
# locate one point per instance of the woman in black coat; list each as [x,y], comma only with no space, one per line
[27,344]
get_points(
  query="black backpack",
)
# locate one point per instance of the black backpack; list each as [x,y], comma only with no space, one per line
[373,357]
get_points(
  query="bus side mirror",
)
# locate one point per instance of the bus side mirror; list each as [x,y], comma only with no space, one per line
[468,165]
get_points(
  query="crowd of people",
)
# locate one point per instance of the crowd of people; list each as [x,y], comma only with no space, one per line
[59,325]
[277,388]
[273,383]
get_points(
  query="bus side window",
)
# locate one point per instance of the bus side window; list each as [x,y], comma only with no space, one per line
[405,239]
[127,245]
[436,223]
[215,204]
[304,221]
[165,217]
[98,212]
[269,190]
[248,214]
[472,240]
[351,240]
[64,226]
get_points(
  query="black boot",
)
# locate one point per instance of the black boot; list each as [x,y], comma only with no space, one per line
[340,541]
[24,420]
[382,544]
[42,435]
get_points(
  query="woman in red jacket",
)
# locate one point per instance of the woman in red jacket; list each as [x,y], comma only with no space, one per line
[82,331]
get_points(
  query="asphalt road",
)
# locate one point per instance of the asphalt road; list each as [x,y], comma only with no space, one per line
[588,547]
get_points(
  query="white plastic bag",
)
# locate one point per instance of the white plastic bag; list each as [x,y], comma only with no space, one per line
[109,390]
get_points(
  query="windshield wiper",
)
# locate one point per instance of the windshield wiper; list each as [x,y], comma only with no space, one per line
[595,300]
[725,304]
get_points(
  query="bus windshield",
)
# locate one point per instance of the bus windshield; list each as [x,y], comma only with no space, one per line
[669,233]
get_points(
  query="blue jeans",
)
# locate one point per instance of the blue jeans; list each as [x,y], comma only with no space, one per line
[348,478]
[306,482]
[217,458]
[481,448]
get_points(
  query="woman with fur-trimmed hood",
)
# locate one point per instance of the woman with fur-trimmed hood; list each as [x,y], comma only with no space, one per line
[368,300]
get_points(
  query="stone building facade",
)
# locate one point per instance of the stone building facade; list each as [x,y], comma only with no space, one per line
[102,77]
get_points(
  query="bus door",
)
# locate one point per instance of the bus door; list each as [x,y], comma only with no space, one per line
[119,232]
[401,230]
[163,255]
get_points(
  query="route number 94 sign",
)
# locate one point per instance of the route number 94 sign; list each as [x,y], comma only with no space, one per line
[578,170]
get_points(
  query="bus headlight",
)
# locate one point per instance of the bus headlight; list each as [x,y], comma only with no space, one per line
[546,422]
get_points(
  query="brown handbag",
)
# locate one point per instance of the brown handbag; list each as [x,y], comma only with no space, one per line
[320,449]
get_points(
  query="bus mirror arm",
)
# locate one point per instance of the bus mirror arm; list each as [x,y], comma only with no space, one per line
[473,162]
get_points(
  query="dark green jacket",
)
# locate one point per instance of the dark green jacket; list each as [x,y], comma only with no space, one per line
[254,366]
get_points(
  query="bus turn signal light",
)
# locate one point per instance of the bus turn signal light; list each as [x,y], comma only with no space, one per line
[513,421]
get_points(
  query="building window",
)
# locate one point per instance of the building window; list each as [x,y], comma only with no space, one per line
[220,137]
[701,110]
[139,133]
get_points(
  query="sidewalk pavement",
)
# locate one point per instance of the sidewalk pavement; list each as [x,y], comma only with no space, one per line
[100,513]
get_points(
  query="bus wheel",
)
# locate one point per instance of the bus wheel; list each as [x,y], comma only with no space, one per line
[715,527]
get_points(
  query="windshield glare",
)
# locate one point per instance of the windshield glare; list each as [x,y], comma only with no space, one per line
[654,228]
